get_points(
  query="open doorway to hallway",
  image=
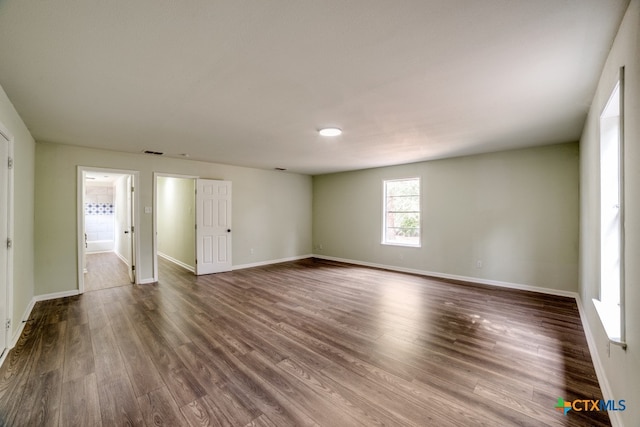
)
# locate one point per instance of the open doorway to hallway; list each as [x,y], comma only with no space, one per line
[106,228]
[192,223]
[175,221]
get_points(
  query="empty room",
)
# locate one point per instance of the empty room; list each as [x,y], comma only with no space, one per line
[243,213]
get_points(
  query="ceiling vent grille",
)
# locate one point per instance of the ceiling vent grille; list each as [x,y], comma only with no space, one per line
[157,153]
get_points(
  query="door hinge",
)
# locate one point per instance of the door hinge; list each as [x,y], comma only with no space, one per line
[8,324]
[132,228]
[133,268]
[10,162]
[132,189]
[9,243]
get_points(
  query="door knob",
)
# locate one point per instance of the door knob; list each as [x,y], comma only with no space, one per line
[228,230]
[126,231]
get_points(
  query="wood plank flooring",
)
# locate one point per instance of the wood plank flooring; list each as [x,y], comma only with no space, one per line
[105,270]
[306,343]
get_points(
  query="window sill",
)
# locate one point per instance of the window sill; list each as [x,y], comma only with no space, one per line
[609,315]
[404,245]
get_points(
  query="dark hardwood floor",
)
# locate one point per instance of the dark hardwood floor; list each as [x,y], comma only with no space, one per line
[301,343]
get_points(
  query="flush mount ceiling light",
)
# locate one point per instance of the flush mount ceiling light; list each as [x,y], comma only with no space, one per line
[330,131]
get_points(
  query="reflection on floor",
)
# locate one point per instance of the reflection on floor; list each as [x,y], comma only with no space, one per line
[301,343]
[105,270]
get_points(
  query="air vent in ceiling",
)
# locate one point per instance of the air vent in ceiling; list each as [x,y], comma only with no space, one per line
[280,169]
[157,153]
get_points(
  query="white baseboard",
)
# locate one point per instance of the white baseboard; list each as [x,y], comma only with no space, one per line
[123,259]
[273,261]
[56,295]
[27,313]
[177,262]
[146,281]
[481,281]
[25,316]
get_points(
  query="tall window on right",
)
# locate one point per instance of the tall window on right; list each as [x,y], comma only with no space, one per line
[401,216]
[610,305]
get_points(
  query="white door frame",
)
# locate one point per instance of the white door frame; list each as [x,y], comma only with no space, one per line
[5,134]
[82,170]
[131,214]
[156,175]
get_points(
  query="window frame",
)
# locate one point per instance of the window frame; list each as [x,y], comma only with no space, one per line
[384,240]
[612,313]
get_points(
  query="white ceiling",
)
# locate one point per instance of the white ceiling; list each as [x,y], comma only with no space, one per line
[101,178]
[249,82]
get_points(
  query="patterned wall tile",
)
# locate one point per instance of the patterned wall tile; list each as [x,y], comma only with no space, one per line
[98,209]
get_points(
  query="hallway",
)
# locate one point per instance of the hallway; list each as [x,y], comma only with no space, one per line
[105,270]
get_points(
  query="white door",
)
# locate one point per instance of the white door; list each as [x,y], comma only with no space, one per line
[130,230]
[4,234]
[213,226]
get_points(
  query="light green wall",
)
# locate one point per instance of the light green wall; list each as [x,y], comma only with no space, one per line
[271,210]
[622,367]
[516,211]
[23,247]
[177,219]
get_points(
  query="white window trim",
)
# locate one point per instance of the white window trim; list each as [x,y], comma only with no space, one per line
[384,213]
[612,316]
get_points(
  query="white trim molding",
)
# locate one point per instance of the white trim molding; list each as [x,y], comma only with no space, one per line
[17,329]
[17,332]
[56,295]
[177,262]
[273,261]
[476,280]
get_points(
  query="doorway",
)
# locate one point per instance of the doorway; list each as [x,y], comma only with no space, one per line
[107,238]
[175,221]
[192,223]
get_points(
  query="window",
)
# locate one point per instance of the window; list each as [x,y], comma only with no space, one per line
[401,217]
[610,305]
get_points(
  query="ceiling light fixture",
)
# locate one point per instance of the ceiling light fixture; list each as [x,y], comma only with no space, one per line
[330,132]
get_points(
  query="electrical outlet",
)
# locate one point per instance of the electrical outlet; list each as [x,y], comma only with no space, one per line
[252,251]
[479,264]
